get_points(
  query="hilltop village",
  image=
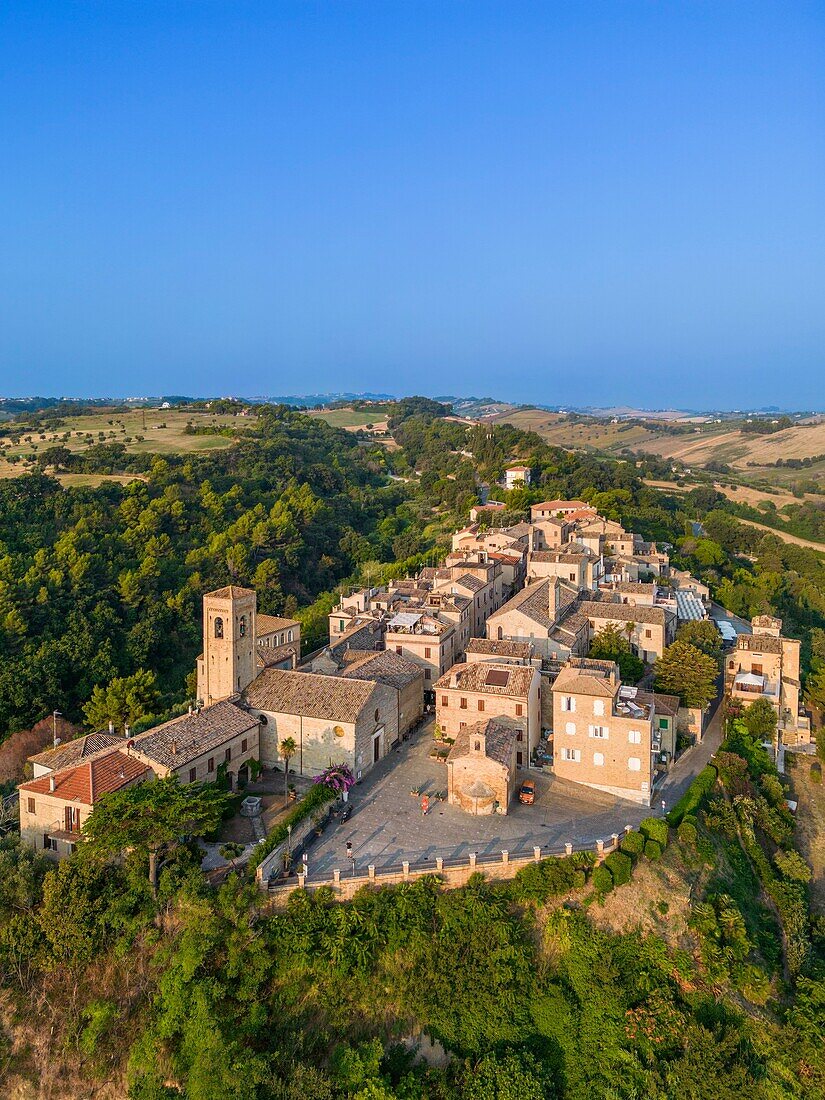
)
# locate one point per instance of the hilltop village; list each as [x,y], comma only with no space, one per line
[495,643]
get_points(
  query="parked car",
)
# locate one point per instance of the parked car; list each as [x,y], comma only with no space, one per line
[527,793]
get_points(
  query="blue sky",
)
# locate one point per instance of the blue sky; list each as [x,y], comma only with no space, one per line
[587,202]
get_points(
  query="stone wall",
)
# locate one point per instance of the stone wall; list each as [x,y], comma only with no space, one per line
[453,874]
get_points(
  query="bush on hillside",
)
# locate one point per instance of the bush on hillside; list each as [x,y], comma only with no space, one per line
[620,866]
[602,879]
[547,879]
[653,850]
[655,829]
[687,833]
[633,844]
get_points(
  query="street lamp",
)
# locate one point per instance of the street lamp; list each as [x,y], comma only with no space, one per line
[55,739]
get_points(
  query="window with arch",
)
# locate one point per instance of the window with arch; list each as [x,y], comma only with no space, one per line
[242,626]
[218,627]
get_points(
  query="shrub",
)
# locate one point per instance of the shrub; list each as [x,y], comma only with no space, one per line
[653,850]
[547,879]
[621,867]
[687,833]
[655,829]
[633,844]
[315,798]
[693,797]
[602,879]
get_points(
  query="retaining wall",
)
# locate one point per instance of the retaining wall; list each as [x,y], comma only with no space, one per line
[453,873]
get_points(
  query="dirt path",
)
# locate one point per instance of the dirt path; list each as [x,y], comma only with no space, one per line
[785,536]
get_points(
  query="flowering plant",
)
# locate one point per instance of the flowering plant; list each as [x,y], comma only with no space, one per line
[338,777]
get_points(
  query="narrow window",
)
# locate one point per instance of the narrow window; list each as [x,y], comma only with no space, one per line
[193,774]
[210,764]
[228,754]
[242,626]
[219,627]
[481,704]
[30,805]
[463,703]
[244,745]
[519,710]
[445,700]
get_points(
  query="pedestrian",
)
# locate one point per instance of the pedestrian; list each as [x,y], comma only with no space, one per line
[425,805]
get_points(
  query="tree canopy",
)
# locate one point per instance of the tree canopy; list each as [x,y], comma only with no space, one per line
[686,671]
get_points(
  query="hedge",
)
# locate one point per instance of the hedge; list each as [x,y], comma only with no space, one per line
[691,800]
[653,850]
[602,879]
[620,866]
[633,844]
[654,828]
[547,879]
[318,795]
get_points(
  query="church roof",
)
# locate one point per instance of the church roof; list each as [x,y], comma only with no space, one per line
[230,592]
[311,694]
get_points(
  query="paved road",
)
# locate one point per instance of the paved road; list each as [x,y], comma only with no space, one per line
[387,825]
[690,763]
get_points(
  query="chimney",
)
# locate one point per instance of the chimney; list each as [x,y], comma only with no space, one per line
[51,783]
[111,727]
[190,708]
[126,731]
[174,748]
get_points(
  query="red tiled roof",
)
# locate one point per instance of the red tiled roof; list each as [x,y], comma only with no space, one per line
[86,782]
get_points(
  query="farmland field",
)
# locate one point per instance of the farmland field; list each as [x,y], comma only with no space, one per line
[353,418]
[157,431]
[694,446]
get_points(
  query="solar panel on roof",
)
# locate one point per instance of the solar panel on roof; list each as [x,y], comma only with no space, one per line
[497,678]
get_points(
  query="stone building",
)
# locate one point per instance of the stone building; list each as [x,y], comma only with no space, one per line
[496,689]
[228,663]
[403,676]
[764,665]
[332,719]
[599,738]
[481,767]
[198,746]
[54,807]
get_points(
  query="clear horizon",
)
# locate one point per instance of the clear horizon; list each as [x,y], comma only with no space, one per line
[616,204]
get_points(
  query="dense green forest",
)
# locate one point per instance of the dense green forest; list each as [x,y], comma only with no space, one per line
[683,968]
[687,968]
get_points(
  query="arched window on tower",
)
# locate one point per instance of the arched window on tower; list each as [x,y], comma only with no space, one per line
[218,627]
[242,626]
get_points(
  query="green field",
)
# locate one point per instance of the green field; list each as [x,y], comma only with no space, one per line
[149,431]
[353,418]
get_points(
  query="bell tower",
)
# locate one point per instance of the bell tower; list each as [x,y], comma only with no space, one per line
[227,666]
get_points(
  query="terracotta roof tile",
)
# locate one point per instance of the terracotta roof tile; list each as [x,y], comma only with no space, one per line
[85,782]
[335,698]
[186,738]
